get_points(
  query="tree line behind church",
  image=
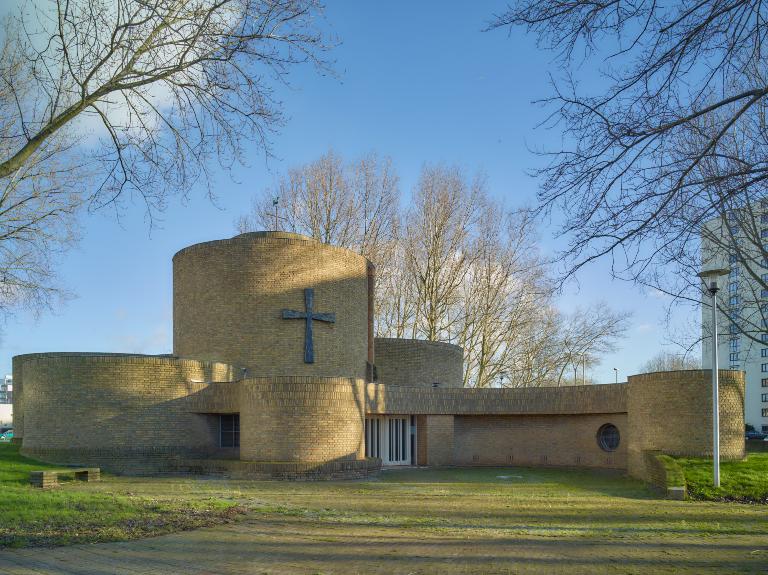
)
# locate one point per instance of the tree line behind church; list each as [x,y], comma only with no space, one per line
[452,265]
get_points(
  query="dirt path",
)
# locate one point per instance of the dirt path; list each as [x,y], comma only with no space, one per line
[276,544]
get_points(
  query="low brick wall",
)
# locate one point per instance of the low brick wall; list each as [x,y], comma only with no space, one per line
[663,473]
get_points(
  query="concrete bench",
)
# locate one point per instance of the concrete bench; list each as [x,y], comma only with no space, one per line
[50,477]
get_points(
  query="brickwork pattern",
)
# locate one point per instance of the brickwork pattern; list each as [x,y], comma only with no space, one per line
[386,399]
[412,362]
[439,436]
[120,412]
[537,440]
[301,419]
[671,412]
[228,296]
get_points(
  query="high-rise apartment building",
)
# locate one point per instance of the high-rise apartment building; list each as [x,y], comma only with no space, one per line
[740,243]
[6,389]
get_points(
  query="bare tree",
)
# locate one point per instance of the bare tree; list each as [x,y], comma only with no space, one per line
[103,100]
[439,228]
[674,138]
[667,361]
[352,205]
[455,266]
[586,335]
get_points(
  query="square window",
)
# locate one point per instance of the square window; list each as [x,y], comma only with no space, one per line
[764,382]
[765,412]
[764,398]
[764,367]
[734,356]
[765,428]
[764,293]
[764,352]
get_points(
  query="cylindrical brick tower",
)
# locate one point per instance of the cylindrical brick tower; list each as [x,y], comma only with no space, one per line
[671,412]
[244,301]
[302,419]
[418,363]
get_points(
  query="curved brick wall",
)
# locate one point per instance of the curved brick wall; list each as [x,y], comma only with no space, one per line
[127,413]
[301,419]
[672,412]
[414,362]
[228,296]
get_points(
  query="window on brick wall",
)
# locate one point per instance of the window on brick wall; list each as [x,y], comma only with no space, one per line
[608,437]
[229,430]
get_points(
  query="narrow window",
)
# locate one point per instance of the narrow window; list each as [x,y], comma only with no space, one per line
[229,430]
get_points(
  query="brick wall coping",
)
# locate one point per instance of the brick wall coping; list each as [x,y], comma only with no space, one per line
[109,357]
[685,373]
[267,237]
[589,399]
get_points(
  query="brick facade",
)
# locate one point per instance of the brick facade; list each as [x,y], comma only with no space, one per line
[417,363]
[671,412]
[235,354]
[228,296]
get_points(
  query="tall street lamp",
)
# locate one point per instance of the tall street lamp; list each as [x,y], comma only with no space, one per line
[709,277]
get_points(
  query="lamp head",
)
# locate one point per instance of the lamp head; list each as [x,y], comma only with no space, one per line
[709,277]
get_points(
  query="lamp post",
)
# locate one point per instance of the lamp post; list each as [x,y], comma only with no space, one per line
[616,374]
[709,278]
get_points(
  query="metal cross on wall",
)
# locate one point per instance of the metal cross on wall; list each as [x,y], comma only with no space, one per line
[309,314]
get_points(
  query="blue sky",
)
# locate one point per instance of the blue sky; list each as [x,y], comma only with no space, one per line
[419,82]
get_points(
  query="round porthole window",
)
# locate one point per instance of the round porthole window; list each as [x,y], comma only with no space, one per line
[608,437]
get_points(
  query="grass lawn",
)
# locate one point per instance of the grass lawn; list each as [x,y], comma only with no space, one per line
[482,521]
[75,513]
[745,481]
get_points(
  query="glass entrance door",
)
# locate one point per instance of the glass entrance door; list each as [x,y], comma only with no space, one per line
[390,438]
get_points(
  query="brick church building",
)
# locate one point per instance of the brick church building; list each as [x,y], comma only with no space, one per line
[275,373]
